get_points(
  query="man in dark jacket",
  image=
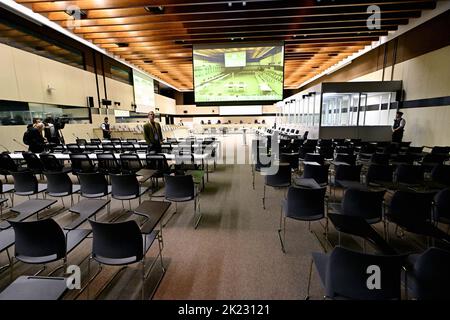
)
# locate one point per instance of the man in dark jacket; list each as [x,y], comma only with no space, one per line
[33,137]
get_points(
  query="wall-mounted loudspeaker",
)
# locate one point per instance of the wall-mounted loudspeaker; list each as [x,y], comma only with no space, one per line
[90,102]
[106,102]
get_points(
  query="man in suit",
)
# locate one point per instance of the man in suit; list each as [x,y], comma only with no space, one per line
[152,133]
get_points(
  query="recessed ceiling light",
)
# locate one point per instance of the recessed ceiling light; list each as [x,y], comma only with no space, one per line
[164,71]
[148,61]
[155,9]
[122,44]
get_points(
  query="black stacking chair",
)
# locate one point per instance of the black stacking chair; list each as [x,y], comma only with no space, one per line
[441,211]
[344,150]
[416,152]
[346,274]
[440,150]
[431,160]
[363,203]
[132,140]
[380,159]
[126,187]
[304,205]
[116,140]
[380,175]
[409,174]
[128,147]
[26,184]
[185,162]
[93,185]
[181,189]
[107,163]
[92,148]
[6,188]
[310,143]
[81,163]
[429,277]
[404,159]
[281,179]
[441,175]
[411,211]
[347,158]
[291,158]
[327,152]
[130,162]
[34,164]
[7,165]
[304,150]
[345,173]
[318,173]
[122,244]
[366,151]
[96,141]
[314,157]
[59,185]
[159,163]
[43,241]
[51,164]
[81,142]
[109,147]
[74,148]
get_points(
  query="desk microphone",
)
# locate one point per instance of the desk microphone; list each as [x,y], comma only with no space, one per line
[20,144]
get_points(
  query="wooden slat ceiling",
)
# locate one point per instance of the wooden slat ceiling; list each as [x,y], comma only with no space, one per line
[317,33]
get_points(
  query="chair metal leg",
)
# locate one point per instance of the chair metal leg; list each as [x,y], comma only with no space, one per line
[171,216]
[309,279]
[264,198]
[282,229]
[197,207]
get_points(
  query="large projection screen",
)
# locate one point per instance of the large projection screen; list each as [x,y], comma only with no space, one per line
[230,74]
[144,92]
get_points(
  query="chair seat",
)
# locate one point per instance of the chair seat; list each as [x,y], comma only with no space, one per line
[284,206]
[142,190]
[7,188]
[35,288]
[7,239]
[75,189]
[147,241]
[41,188]
[97,195]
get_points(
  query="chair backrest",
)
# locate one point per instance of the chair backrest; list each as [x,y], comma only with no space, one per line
[431,275]
[292,159]
[406,158]
[411,206]
[349,173]
[440,150]
[91,147]
[107,163]
[380,158]
[347,158]
[7,164]
[41,238]
[305,204]
[442,205]
[434,158]
[414,149]
[50,162]
[318,173]
[93,185]
[81,142]
[363,203]
[74,148]
[130,162]
[25,183]
[348,274]
[96,141]
[33,162]
[132,140]
[179,188]
[282,178]
[124,186]
[81,163]
[314,157]
[441,174]
[157,162]
[122,240]
[58,183]
[108,147]
[128,147]
[379,173]
[410,174]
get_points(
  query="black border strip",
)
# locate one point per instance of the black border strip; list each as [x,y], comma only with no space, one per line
[425,103]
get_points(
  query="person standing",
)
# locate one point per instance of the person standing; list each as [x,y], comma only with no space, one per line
[398,127]
[34,139]
[152,133]
[106,130]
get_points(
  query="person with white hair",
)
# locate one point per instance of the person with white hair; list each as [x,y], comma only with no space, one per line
[34,139]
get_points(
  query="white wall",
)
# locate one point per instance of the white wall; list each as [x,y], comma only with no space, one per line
[425,76]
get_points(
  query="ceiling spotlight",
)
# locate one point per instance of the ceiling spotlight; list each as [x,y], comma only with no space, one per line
[244,3]
[148,61]
[230,4]
[232,39]
[155,9]
[122,44]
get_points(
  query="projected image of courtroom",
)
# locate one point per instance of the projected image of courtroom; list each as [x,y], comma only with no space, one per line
[238,74]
